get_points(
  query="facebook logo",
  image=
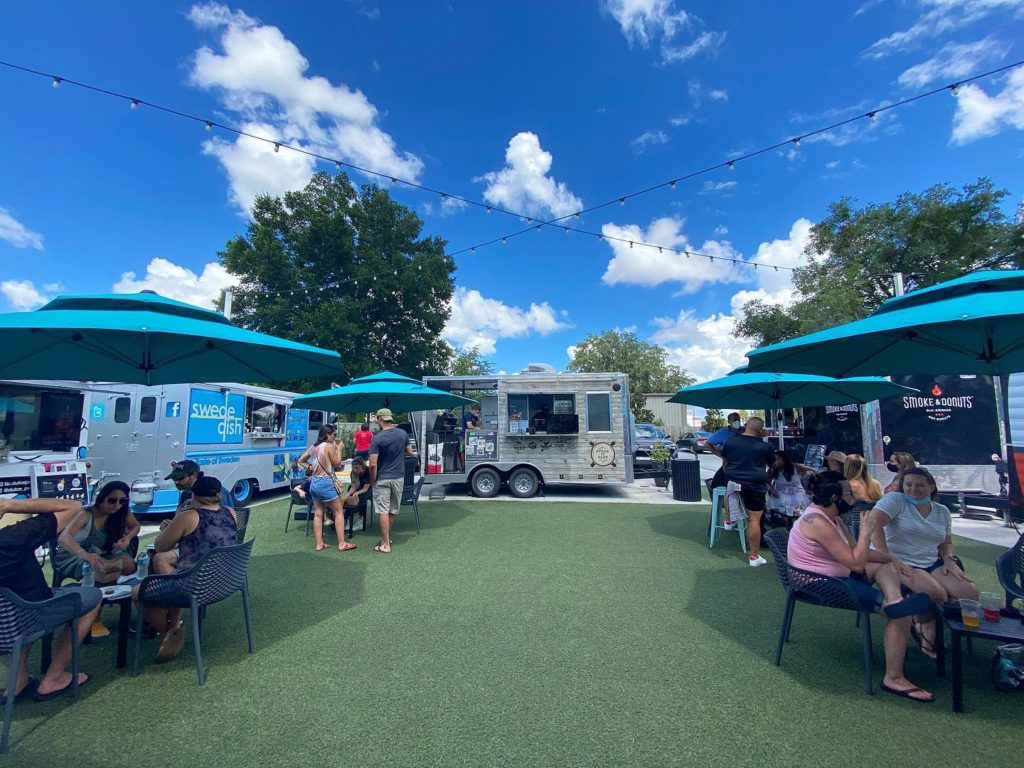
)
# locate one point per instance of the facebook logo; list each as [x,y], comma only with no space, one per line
[173,409]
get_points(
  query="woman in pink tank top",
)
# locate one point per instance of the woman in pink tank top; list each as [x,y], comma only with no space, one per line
[821,543]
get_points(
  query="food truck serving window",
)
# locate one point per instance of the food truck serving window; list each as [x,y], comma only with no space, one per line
[263,415]
[39,420]
[550,414]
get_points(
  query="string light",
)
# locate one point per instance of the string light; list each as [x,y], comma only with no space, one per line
[672,184]
[954,88]
[135,104]
[872,117]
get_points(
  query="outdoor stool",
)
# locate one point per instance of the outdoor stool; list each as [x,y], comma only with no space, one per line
[717,522]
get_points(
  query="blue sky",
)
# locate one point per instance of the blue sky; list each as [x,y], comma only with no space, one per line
[542,108]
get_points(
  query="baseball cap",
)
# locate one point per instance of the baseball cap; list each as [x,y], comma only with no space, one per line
[183,469]
[206,487]
[837,456]
[384,414]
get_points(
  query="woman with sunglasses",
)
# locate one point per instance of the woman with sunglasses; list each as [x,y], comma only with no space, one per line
[99,536]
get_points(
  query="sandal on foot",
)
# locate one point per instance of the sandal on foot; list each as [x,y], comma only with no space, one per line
[83,679]
[346,547]
[380,548]
[908,693]
[927,646]
[28,690]
[319,547]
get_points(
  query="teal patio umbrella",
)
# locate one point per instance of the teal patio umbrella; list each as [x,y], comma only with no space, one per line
[144,338]
[971,325]
[381,390]
[772,391]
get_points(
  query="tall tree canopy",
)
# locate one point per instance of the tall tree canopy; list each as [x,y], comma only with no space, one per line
[937,235]
[346,271]
[469,362]
[624,352]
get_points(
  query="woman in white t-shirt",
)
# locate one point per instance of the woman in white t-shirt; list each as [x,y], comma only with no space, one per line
[917,532]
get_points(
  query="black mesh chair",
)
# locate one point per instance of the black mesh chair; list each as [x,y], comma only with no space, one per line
[411,496]
[219,574]
[297,501]
[1010,568]
[241,523]
[23,622]
[814,589]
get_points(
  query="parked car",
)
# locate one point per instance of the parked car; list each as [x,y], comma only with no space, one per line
[694,441]
[645,437]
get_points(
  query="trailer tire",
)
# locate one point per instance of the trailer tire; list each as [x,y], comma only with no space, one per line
[523,483]
[485,483]
[243,491]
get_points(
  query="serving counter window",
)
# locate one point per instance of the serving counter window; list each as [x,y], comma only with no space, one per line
[553,414]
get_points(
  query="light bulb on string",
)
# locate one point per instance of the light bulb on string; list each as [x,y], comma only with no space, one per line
[473,249]
[622,201]
[659,249]
[504,239]
[672,184]
[796,142]
[487,209]
[732,165]
[135,104]
[277,147]
[337,165]
[578,214]
[872,117]
[630,243]
[566,230]
[209,126]
[955,89]
[56,82]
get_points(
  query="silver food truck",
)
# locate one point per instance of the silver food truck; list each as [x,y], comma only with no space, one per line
[248,437]
[536,427]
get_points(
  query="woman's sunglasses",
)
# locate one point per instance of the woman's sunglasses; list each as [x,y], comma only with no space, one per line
[116,500]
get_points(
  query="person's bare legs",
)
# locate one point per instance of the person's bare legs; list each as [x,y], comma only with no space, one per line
[886,578]
[57,676]
[754,533]
[385,532]
[895,642]
[22,679]
[338,508]
[159,617]
[318,524]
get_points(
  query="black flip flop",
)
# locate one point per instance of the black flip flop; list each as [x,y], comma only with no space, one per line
[28,690]
[912,605]
[905,693]
[59,692]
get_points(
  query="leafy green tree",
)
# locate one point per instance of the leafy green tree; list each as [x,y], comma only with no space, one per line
[936,235]
[348,271]
[644,363]
[469,362]
[713,420]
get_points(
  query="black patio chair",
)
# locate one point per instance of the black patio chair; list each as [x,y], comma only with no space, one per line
[814,589]
[241,523]
[411,496]
[298,501]
[219,574]
[1010,568]
[23,622]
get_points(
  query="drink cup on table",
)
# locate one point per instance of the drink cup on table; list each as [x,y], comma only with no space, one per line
[970,612]
[990,603]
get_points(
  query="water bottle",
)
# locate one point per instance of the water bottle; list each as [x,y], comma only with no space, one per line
[143,567]
[88,577]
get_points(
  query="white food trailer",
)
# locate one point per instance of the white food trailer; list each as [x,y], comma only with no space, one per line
[247,437]
[537,427]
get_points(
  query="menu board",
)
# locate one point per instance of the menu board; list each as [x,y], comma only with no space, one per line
[481,444]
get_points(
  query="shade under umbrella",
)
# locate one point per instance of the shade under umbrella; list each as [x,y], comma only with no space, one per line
[771,391]
[971,325]
[145,338]
[381,390]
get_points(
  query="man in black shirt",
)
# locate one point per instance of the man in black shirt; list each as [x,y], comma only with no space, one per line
[20,573]
[748,457]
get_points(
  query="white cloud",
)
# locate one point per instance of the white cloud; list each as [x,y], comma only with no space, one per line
[22,295]
[476,321]
[939,17]
[718,94]
[678,120]
[261,76]
[177,282]
[955,60]
[860,131]
[717,187]
[708,347]
[644,21]
[720,231]
[17,234]
[649,138]
[524,185]
[979,115]
[645,265]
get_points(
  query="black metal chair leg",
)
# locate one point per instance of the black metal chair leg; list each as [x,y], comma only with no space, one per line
[868,653]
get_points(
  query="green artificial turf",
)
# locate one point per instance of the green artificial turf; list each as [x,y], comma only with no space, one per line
[519,634]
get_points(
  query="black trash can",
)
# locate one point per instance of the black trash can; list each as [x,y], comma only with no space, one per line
[686,478]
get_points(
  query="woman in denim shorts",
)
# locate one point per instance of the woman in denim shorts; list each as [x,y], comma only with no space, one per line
[324,458]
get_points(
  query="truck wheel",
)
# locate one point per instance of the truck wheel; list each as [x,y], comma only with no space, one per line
[523,483]
[485,483]
[242,491]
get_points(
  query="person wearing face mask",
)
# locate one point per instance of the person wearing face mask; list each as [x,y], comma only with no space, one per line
[916,531]
[717,441]
[898,463]
[821,543]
